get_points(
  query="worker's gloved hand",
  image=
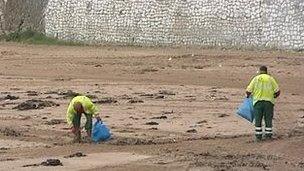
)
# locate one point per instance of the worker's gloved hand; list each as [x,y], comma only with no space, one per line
[74,129]
[248,94]
[98,118]
[277,94]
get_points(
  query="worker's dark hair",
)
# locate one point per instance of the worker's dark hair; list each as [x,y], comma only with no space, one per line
[263,69]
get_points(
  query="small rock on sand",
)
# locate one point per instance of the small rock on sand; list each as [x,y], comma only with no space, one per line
[223,115]
[78,154]
[52,162]
[135,100]
[10,97]
[192,131]
[160,117]
[224,98]
[160,97]
[152,123]
[201,122]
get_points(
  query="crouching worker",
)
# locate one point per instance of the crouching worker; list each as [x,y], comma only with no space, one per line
[79,106]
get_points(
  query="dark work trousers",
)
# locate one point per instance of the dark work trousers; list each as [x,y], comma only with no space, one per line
[263,109]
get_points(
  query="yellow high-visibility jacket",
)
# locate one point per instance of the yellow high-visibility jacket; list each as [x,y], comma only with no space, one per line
[88,105]
[263,87]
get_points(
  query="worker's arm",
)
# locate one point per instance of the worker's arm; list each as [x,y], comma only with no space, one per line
[275,87]
[250,88]
[70,114]
[92,109]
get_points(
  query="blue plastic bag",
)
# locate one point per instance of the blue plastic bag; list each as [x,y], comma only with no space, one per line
[246,110]
[100,132]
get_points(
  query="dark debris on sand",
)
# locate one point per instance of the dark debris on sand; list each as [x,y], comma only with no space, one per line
[160,117]
[152,123]
[78,154]
[192,131]
[10,97]
[35,104]
[135,100]
[10,132]
[48,162]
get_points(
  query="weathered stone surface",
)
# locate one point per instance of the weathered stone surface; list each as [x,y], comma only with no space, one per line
[238,23]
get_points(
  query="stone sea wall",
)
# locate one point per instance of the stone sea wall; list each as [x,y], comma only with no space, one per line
[225,23]
[283,24]
[157,22]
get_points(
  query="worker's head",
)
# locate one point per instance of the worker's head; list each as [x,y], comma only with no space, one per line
[78,108]
[263,70]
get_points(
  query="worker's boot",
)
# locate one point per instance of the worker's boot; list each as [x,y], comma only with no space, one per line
[268,134]
[258,139]
[258,134]
[268,137]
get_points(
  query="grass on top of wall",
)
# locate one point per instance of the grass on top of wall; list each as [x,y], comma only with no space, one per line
[33,37]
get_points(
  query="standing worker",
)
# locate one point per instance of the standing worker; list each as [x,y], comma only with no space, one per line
[264,89]
[81,105]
